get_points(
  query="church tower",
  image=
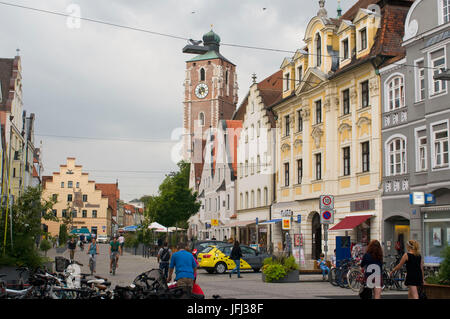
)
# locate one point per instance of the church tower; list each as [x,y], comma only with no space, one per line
[210,95]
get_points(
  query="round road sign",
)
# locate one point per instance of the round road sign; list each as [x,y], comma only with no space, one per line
[326,215]
[326,200]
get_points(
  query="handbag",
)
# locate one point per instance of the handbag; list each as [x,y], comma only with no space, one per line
[365,292]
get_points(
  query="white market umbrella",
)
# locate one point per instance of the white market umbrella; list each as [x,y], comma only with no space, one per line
[175,229]
[158,227]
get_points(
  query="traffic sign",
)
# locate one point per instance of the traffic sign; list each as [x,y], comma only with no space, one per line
[326,216]
[326,202]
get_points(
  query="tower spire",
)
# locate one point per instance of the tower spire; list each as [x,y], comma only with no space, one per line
[339,9]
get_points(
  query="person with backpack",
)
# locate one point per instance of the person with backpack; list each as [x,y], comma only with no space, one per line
[163,258]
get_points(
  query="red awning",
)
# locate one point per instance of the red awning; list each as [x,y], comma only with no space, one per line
[350,222]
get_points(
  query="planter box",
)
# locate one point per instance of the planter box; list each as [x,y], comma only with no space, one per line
[437,291]
[291,276]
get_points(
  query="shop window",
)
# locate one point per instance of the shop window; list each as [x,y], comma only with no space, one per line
[437,233]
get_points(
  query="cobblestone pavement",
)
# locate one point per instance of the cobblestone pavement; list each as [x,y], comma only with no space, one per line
[250,286]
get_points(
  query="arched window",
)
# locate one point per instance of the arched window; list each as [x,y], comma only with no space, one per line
[246,199]
[318,50]
[258,198]
[396,156]
[266,196]
[202,74]
[201,118]
[396,93]
[253,199]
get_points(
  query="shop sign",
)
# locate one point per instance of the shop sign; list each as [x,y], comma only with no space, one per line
[286,223]
[362,205]
[430,199]
[417,198]
[262,230]
[326,202]
[214,222]
[286,213]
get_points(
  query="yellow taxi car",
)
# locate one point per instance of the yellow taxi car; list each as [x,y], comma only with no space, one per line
[216,259]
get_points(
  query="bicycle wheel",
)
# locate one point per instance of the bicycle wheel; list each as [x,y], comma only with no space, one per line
[343,282]
[355,279]
[332,277]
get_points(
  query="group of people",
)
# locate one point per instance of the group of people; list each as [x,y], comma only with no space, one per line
[115,249]
[411,258]
[372,264]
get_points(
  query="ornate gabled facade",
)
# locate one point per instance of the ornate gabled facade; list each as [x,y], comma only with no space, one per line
[217,185]
[256,158]
[329,137]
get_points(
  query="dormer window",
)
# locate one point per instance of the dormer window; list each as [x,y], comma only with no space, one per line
[363,39]
[318,50]
[202,74]
[286,77]
[345,50]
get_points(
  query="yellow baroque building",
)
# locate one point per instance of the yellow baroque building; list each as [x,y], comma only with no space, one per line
[329,129]
[78,197]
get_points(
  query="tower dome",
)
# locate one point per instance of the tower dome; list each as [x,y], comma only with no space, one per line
[212,40]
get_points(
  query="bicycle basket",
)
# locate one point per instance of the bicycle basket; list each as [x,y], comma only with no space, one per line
[61,263]
[152,279]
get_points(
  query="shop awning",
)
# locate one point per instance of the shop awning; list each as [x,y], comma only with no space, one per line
[273,221]
[350,222]
[241,223]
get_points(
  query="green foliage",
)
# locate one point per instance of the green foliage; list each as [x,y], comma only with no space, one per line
[175,202]
[444,270]
[131,240]
[274,272]
[272,265]
[63,234]
[45,246]
[27,214]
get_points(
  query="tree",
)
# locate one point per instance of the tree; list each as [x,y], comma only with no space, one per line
[175,202]
[27,213]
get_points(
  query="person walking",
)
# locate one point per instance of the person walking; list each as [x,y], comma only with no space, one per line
[163,258]
[93,251]
[414,268]
[235,255]
[121,242]
[185,268]
[372,264]
[323,266]
[72,245]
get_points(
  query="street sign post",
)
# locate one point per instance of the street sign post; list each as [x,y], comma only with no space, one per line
[326,202]
[327,216]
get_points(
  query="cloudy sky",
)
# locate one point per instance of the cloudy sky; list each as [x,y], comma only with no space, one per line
[122,90]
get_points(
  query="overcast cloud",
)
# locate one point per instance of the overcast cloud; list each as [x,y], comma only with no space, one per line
[106,82]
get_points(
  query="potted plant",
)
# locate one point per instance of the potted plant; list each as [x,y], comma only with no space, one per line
[438,286]
[280,270]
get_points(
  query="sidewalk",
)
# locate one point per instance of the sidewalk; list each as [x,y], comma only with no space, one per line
[129,265]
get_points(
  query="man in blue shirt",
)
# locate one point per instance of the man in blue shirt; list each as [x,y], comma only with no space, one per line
[185,266]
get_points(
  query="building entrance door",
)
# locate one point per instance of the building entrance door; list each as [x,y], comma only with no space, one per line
[316,237]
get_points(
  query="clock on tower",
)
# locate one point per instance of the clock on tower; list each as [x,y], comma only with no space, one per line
[210,94]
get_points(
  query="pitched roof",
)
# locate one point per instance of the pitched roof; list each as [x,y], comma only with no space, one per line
[112,192]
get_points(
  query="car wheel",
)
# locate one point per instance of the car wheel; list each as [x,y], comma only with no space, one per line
[221,268]
[256,269]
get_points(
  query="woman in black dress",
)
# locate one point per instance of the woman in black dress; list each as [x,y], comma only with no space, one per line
[414,268]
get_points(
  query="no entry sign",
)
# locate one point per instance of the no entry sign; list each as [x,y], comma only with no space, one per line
[326,202]
[327,216]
